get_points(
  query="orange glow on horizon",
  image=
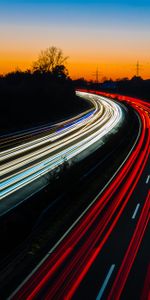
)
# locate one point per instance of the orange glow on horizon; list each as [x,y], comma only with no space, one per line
[78,67]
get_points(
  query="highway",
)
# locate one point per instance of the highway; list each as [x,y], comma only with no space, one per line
[105,253]
[34,156]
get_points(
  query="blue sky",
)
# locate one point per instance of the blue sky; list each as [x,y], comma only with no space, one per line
[71,12]
[129,2]
[104,30]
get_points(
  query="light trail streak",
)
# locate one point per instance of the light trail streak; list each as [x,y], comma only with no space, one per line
[96,225]
[146,290]
[132,250]
[72,140]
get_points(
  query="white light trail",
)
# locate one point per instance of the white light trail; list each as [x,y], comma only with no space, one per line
[33,159]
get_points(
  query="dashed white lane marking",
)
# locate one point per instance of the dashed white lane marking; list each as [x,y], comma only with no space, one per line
[100,294]
[136,210]
[148,178]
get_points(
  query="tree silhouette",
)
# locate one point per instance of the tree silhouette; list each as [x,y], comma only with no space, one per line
[49,60]
[60,71]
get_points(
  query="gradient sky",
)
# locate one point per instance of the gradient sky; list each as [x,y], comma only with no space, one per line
[109,33]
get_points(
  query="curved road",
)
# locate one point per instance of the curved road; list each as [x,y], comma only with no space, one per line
[98,256]
[30,160]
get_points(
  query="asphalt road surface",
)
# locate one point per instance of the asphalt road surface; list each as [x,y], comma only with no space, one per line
[105,253]
[34,157]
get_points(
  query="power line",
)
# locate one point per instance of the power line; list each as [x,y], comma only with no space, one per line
[96,74]
[138,68]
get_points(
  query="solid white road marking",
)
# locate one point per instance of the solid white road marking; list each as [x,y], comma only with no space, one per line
[100,294]
[136,210]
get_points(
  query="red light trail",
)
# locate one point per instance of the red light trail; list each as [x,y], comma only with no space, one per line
[63,271]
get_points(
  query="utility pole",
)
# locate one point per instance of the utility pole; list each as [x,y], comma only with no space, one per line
[97,73]
[137,69]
